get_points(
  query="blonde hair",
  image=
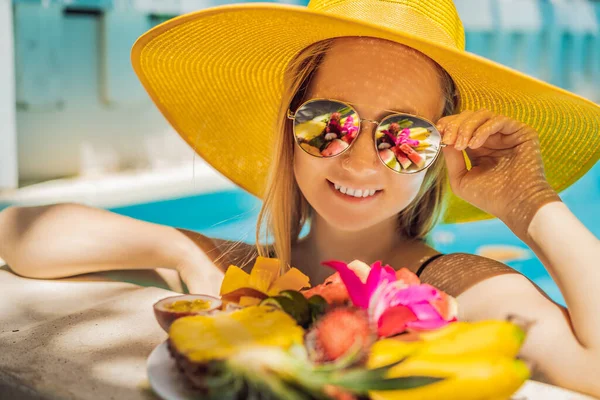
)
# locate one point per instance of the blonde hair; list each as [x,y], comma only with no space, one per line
[285,210]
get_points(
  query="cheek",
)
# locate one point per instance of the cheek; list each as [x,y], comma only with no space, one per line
[403,189]
[309,172]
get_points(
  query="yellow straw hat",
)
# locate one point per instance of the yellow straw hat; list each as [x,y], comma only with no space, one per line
[217,76]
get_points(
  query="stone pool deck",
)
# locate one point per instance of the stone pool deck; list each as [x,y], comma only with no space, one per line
[88,337]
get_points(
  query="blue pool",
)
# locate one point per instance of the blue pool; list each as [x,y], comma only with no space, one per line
[232,215]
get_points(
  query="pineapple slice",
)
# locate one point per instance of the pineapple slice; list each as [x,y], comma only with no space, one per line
[264,273]
[235,278]
[205,338]
[291,280]
[310,129]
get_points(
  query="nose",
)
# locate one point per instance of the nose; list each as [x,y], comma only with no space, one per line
[361,158]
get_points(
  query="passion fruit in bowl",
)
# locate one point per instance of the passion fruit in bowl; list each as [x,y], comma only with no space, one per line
[169,309]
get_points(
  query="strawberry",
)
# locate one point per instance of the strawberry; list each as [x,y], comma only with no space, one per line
[336,332]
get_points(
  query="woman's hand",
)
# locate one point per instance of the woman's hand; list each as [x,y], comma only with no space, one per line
[193,256]
[507,176]
[200,276]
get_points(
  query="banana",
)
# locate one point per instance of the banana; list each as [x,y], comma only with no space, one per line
[467,377]
[423,144]
[418,133]
[450,329]
[489,338]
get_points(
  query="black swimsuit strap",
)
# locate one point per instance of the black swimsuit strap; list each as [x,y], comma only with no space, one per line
[426,263]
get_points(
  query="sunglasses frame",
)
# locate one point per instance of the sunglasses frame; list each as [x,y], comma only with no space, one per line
[292,116]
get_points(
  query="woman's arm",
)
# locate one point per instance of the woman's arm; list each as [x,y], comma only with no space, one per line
[69,239]
[563,344]
[571,254]
[507,179]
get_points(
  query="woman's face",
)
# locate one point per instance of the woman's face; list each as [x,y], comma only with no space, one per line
[374,75]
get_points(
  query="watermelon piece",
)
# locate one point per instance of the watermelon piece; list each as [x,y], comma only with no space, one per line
[291,280]
[401,157]
[413,155]
[389,158]
[335,147]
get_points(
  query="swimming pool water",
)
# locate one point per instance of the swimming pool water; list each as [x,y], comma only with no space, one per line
[232,215]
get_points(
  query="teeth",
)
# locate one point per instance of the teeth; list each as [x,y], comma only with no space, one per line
[355,192]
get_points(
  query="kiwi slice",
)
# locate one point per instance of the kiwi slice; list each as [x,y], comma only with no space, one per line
[318,306]
[297,310]
[276,301]
[296,296]
[300,302]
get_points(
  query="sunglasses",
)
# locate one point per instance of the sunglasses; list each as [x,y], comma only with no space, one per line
[326,128]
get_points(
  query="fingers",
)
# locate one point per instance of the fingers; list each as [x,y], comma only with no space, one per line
[472,129]
[469,126]
[448,126]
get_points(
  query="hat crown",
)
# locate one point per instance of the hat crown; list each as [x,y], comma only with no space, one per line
[435,20]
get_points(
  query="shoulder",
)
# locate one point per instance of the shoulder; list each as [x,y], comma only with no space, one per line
[454,273]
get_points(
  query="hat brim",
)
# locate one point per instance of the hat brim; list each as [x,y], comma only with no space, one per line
[217,77]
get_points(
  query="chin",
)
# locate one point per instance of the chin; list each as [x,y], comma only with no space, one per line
[349,222]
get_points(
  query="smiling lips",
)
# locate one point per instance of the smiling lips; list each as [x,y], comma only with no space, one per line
[360,193]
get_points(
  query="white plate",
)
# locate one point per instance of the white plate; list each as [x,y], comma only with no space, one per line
[164,377]
[168,384]
[533,390]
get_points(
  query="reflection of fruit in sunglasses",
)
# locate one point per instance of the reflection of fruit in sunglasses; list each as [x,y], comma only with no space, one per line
[403,160]
[310,149]
[354,120]
[389,158]
[423,144]
[335,147]
[413,155]
[419,133]
[401,157]
[310,129]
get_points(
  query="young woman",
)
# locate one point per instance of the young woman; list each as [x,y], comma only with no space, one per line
[371,133]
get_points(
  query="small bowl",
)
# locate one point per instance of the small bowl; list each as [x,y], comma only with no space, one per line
[166,311]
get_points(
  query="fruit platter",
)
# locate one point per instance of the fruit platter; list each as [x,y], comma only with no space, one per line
[366,332]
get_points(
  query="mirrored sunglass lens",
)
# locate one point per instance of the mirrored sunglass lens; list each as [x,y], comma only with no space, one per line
[325,128]
[407,144]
